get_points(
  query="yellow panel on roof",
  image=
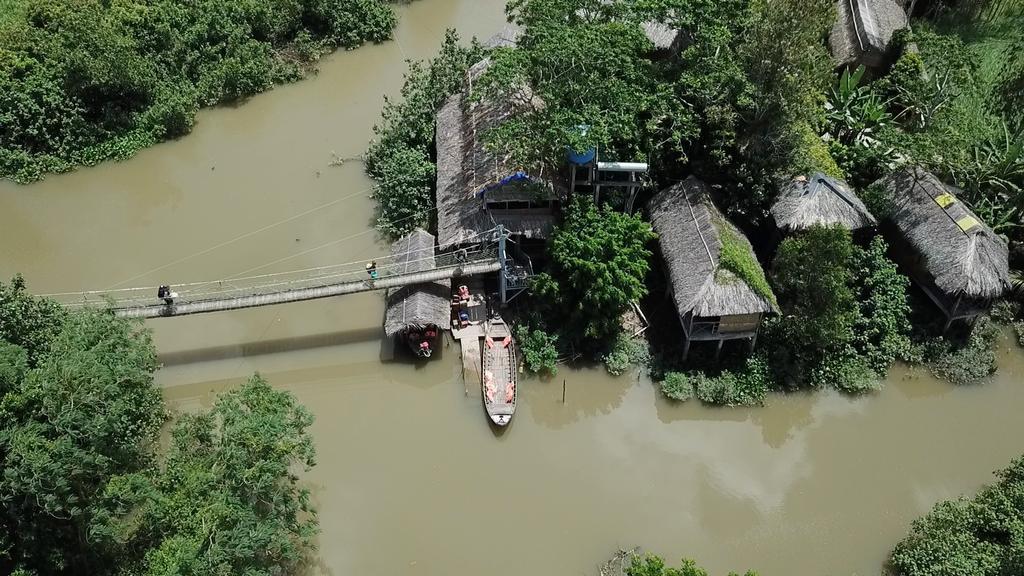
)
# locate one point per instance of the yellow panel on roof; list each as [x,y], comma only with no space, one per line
[945,200]
[966,223]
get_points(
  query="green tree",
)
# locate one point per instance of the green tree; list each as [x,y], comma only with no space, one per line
[84,413]
[599,260]
[82,81]
[983,535]
[27,321]
[402,159]
[844,311]
[226,500]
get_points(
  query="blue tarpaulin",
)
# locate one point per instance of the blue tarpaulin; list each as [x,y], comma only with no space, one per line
[517,177]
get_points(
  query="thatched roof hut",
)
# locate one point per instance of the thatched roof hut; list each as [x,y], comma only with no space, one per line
[690,231]
[468,170]
[418,305]
[863,30]
[962,256]
[819,199]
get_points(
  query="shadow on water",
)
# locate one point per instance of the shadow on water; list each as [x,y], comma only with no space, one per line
[270,346]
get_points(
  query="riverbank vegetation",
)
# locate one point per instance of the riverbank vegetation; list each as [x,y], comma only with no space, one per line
[85,81]
[981,535]
[86,487]
[402,159]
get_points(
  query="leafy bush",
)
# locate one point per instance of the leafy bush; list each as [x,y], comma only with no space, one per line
[625,353]
[883,329]
[981,535]
[746,387]
[402,159]
[599,261]
[845,313]
[87,81]
[812,155]
[968,363]
[540,350]
[651,565]
[677,386]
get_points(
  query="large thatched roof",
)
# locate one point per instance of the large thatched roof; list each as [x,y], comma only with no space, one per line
[819,199]
[467,168]
[690,230]
[963,255]
[417,305]
[863,30]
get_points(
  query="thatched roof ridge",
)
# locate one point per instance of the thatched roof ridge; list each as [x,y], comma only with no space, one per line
[417,305]
[467,168]
[863,30]
[963,255]
[819,199]
[689,231]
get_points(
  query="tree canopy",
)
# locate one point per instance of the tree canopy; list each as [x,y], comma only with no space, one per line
[982,536]
[82,81]
[85,488]
[599,261]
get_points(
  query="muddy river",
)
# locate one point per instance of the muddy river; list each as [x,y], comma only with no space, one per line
[410,479]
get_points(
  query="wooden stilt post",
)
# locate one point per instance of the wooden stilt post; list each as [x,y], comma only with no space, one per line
[950,314]
[563,391]
[718,350]
[686,348]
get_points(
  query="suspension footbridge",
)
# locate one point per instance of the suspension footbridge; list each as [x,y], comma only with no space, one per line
[390,271]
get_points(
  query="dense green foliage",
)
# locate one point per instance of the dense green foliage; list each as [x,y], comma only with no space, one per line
[981,536]
[745,386]
[402,159]
[225,500]
[82,81]
[84,489]
[651,565]
[625,353]
[677,386]
[540,350]
[599,260]
[79,407]
[961,360]
[845,312]
[726,109]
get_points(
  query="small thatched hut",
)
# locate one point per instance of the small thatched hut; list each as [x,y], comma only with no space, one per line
[479,188]
[863,30]
[712,302]
[417,308]
[957,260]
[819,199]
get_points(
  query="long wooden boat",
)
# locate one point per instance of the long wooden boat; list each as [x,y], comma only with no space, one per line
[500,369]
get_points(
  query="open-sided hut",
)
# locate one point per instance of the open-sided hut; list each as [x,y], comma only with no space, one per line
[863,30]
[819,200]
[479,188]
[956,259]
[713,303]
[415,310]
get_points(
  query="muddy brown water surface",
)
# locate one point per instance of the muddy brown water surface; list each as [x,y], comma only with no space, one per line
[410,478]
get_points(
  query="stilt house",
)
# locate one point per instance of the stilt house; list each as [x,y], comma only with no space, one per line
[956,259]
[863,30]
[713,303]
[819,200]
[416,308]
[479,188]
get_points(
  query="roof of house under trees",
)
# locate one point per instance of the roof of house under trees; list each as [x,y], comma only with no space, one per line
[467,168]
[963,255]
[819,199]
[692,233]
[416,305]
[863,30]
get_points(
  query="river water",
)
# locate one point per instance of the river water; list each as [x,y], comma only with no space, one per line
[410,479]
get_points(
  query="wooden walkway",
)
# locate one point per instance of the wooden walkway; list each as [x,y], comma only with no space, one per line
[199,306]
